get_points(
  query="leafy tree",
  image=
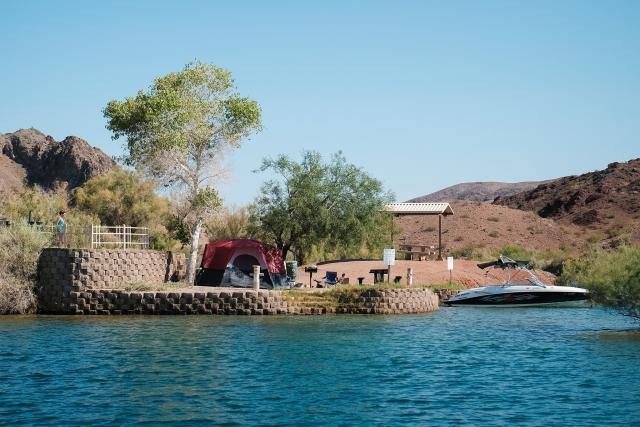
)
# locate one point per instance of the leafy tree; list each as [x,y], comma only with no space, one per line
[178,130]
[178,229]
[121,197]
[613,277]
[313,203]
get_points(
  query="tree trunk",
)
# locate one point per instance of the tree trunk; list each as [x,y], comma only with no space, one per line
[284,250]
[193,253]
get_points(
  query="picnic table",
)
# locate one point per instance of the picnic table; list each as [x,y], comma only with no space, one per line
[378,274]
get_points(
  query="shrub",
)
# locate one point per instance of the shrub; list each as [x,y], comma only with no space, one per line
[121,197]
[470,252]
[615,231]
[16,297]
[230,223]
[20,249]
[593,239]
[514,252]
[493,219]
[612,277]
[494,234]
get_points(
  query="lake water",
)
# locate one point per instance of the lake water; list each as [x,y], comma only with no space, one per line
[458,366]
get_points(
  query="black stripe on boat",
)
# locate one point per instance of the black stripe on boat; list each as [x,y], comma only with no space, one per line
[523,298]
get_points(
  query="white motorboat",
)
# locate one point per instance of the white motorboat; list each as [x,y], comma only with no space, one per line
[510,294]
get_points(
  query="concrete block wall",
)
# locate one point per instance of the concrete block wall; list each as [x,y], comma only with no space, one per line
[391,301]
[227,302]
[63,271]
[75,281]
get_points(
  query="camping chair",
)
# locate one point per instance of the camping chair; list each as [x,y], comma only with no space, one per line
[331,279]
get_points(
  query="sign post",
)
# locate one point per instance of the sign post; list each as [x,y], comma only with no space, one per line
[389,256]
[256,277]
[450,267]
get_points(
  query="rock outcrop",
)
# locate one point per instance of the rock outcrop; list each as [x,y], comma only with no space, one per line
[51,164]
[605,202]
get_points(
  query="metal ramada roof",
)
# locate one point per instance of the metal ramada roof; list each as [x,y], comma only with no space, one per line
[419,208]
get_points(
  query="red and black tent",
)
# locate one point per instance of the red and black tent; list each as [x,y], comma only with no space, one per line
[230,263]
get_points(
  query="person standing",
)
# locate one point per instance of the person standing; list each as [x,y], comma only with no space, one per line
[61,228]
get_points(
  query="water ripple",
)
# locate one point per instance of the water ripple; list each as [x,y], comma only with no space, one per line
[461,366]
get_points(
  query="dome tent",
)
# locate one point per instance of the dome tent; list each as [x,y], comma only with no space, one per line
[229,263]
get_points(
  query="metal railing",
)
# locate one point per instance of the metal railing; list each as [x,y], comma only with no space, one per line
[94,236]
[119,236]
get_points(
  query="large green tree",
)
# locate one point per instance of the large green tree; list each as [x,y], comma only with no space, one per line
[315,203]
[179,129]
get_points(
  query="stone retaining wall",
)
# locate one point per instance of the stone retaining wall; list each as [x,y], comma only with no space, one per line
[62,272]
[390,301]
[73,281]
[223,302]
[240,302]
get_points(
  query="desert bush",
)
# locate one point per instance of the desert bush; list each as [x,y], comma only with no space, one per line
[593,239]
[615,231]
[428,229]
[613,277]
[229,223]
[16,297]
[20,249]
[458,239]
[493,219]
[121,197]
[494,234]
[42,205]
[515,252]
[471,252]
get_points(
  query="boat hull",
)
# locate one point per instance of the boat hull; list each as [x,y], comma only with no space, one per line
[530,296]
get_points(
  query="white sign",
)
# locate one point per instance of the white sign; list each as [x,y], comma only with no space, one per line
[449,263]
[390,256]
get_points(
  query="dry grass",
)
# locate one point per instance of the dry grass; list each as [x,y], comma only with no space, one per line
[20,249]
[16,297]
[148,286]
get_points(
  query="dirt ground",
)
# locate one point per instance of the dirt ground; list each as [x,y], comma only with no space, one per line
[465,272]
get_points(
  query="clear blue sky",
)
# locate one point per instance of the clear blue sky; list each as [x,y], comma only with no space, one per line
[420,94]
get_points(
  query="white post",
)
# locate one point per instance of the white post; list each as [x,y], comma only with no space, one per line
[409,277]
[256,277]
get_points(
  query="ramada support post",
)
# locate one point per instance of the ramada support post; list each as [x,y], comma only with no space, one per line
[439,237]
[440,209]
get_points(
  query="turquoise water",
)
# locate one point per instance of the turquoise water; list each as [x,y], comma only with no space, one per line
[458,366]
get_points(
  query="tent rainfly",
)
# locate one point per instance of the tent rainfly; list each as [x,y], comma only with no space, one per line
[440,209]
[230,263]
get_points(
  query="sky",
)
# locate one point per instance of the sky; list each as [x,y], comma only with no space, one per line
[421,95]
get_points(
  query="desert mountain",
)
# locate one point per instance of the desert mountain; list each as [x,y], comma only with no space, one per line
[477,191]
[607,200]
[32,157]
[479,229]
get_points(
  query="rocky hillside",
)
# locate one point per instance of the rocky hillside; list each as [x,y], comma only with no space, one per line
[477,191]
[607,201]
[478,229]
[32,157]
